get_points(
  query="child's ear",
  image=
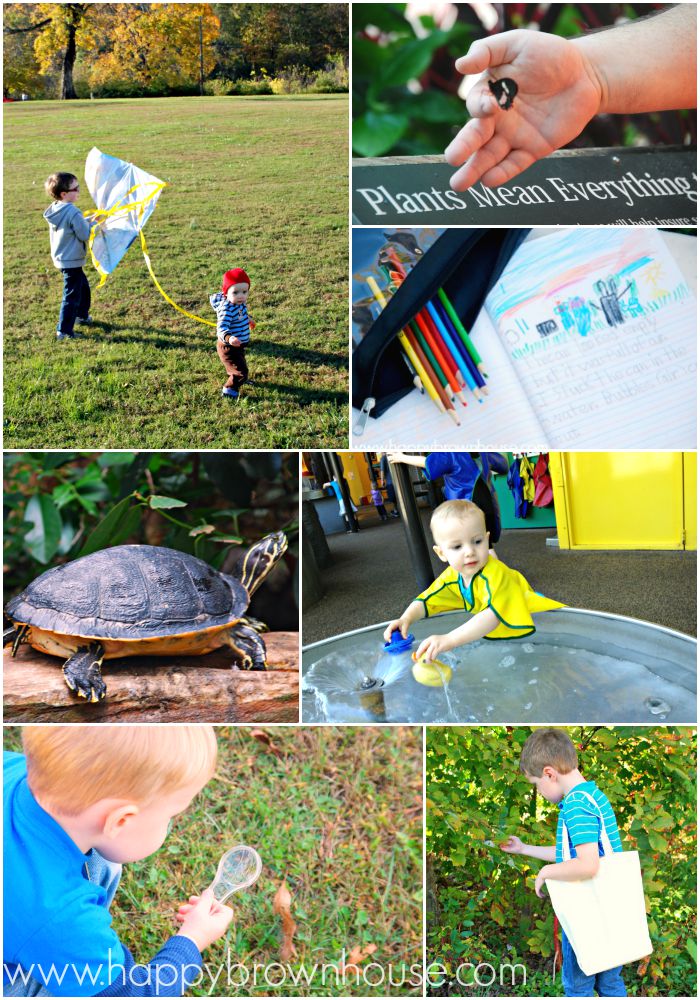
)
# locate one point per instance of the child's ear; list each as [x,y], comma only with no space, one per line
[118,817]
[437,549]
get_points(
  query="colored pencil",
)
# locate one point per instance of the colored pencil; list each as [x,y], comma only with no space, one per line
[430,341]
[446,402]
[440,351]
[381,298]
[452,344]
[462,332]
[471,364]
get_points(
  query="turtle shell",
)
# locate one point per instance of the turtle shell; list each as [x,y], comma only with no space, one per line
[130,592]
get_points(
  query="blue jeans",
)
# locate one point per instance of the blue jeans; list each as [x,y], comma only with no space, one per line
[97,869]
[76,299]
[577,984]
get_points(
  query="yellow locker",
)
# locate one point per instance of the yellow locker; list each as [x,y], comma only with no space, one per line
[625,500]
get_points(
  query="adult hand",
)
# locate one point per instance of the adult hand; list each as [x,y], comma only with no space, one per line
[558,93]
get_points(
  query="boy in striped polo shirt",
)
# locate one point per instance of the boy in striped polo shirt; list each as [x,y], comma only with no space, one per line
[233,326]
[550,763]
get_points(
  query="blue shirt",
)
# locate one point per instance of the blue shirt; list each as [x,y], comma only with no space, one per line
[231,320]
[54,917]
[460,471]
[583,820]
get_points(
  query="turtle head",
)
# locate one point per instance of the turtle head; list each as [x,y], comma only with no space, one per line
[260,559]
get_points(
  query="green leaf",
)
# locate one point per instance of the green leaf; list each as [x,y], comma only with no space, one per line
[164,503]
[366,57]
[202,529]
[373,134]
[109,458]
[388,17]
[43,539]
[691,947]
[63,494]
[437,106]
[656,841]
[408,61]
[122,521]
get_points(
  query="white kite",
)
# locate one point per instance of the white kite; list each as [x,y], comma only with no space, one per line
[125,196]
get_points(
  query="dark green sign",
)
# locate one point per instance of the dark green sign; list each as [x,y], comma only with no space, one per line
[623,187]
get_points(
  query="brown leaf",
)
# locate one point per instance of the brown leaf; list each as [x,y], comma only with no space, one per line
[357,955]
[325,848]
[282,906]
[643,966]
[262,737]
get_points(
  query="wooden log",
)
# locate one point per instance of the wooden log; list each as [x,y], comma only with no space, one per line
[159,689]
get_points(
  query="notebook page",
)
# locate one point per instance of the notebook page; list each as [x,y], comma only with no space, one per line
[600,328]
[504,422]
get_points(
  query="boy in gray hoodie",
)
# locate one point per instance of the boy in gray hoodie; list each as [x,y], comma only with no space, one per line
[69,232]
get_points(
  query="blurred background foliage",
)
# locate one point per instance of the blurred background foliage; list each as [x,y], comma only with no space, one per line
[404,84]
[62,505]
[481,902]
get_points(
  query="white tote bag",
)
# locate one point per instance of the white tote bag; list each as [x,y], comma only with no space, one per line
[603,917]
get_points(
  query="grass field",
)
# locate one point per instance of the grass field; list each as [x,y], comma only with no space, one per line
[334,812]
[259,183]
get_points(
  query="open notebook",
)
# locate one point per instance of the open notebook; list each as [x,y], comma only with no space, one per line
[589,339]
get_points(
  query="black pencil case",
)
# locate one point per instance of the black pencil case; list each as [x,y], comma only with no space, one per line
[467,263]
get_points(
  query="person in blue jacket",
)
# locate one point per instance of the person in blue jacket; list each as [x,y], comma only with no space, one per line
[78,803]
[465,476]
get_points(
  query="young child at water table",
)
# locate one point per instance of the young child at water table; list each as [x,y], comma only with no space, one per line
[550,763]
[233,326]
[80,801]
[69,232]
[500,599]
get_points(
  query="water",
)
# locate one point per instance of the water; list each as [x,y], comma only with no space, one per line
[504,681]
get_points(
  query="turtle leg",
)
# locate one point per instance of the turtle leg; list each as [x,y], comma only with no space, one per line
[82,672]
[255,624]
[16,636]
[248,646]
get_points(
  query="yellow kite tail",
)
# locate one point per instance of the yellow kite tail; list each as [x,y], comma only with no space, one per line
[165,296]
[125,207]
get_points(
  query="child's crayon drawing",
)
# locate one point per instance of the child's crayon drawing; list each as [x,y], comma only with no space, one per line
[577,284]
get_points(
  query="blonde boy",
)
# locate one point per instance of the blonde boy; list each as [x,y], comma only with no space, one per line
[500,599]
[549,762]
[81,801]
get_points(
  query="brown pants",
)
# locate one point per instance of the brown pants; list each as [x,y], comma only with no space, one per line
[233,360]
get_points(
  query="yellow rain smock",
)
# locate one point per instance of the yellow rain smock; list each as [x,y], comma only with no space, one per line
[496,586]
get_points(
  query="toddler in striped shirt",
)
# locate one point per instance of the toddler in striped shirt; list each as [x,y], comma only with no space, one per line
[233,326]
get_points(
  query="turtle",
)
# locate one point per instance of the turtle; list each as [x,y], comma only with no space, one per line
[141,600]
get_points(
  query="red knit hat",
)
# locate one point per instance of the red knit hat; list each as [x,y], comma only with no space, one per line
[233,277]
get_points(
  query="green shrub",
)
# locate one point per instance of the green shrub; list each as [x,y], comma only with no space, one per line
[220,87]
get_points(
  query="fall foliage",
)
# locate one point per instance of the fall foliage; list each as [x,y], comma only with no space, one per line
[153,49]
[481,901]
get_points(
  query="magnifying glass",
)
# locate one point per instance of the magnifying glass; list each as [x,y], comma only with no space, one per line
[239,868]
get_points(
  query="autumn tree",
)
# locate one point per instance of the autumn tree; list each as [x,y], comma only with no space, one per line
[157,45]
[60,29]
[274,36]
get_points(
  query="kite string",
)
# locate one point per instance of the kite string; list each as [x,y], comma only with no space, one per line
[167,298]
[106,213]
